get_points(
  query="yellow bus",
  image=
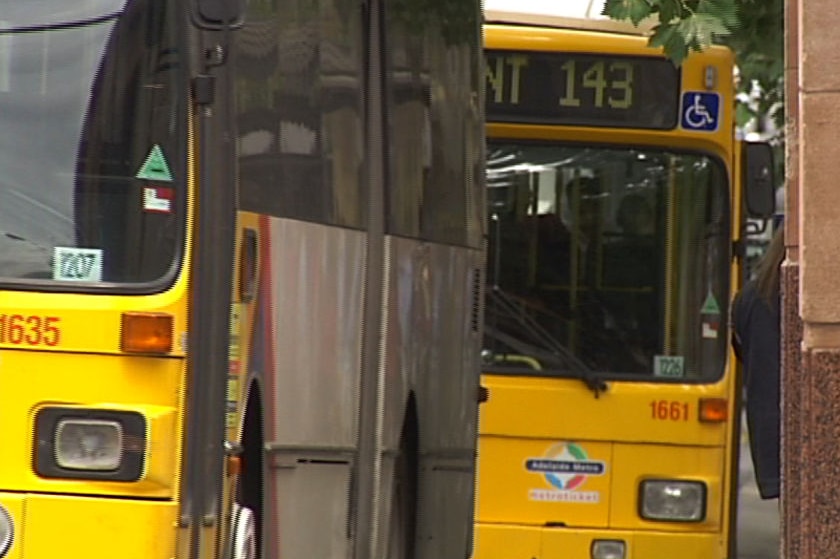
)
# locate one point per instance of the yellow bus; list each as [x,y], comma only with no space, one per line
[240,278]
[613,206]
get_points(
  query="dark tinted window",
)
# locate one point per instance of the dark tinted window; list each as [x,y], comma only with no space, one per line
[300,112]
[614,260]
[433,122]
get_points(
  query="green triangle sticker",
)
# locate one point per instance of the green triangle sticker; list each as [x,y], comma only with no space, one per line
[710,305]
[155,167]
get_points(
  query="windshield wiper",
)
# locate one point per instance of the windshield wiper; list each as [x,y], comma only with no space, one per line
[554,352]
[61,24]
[563,363]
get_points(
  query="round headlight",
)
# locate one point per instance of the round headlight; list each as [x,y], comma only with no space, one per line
[7,531]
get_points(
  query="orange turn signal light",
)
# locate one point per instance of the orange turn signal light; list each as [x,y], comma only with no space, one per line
[714,410]
[144,332]
[234,465]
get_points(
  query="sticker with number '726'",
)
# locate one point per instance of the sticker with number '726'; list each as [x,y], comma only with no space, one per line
[669,366]
[77,264]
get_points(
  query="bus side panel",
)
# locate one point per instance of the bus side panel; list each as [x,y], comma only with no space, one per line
[316,277]
[447,405]
[312,516]
[314,307]
[431,355]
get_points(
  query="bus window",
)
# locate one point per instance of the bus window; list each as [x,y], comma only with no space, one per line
[608,255]
[79,138]
[424,199]
[300,117]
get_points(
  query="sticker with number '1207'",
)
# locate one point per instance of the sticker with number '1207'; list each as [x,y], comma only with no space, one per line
[77,264]
[31,330]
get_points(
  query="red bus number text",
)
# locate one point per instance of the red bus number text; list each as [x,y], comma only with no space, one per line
[30,330]
[664,410]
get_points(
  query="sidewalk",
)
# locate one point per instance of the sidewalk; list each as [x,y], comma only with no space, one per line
[758,520]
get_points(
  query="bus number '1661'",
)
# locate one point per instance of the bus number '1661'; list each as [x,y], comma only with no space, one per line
[666,410]
[31,330]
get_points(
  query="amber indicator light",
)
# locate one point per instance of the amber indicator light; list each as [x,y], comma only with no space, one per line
[714,410]
[146,332]
[234,465]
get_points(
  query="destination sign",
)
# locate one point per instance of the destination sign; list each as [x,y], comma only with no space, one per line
[582,89]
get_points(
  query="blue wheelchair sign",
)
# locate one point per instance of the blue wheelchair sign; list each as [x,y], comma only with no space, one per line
[700,111]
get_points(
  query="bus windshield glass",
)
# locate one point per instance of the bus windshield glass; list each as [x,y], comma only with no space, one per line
[91,149]
[608,260]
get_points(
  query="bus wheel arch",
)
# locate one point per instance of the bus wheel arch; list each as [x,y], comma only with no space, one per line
[405,486]
[248,508]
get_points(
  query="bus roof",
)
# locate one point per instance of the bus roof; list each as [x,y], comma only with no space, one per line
[567,14]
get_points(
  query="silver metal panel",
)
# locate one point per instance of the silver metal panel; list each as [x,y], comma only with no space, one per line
[311,512]
[317,281]
[432,350]
[430,345]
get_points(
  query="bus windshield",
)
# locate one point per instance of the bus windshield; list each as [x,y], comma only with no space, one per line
[611,260]
[91,185]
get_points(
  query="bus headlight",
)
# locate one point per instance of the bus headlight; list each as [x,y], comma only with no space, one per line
[7,531]
[673,500]
[88,444]
[81,443]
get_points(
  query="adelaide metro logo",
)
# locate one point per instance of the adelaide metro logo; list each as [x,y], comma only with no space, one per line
[566,466]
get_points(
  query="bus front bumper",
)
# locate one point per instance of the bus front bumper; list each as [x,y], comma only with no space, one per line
[70,527]
[499,541]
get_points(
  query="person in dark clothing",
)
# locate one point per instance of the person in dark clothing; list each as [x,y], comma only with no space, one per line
[756,341]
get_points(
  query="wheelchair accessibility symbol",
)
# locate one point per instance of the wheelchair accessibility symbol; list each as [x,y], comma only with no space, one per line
[700,111]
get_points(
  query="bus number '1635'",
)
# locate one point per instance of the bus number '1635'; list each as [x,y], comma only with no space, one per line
[29,330]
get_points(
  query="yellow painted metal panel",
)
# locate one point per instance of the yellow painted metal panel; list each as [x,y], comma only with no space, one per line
[98,528]
[532,481]
[560,543]
[658,545]
[566,408]
[522,542]
[635,463]
[85,322]
[577,544]
[493,541]
[148,385]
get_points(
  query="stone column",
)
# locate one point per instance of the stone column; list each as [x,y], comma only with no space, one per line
[793,392]
[811,348]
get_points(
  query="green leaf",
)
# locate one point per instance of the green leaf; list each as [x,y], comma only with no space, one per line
[699,30]
[753,29]
[667,36]
[669,10]
[662,34]
[725,11]
[634,10]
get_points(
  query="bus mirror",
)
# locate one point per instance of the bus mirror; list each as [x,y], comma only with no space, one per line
[758,183]
[215,14]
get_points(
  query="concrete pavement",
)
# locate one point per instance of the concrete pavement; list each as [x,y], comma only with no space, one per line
[758,520]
